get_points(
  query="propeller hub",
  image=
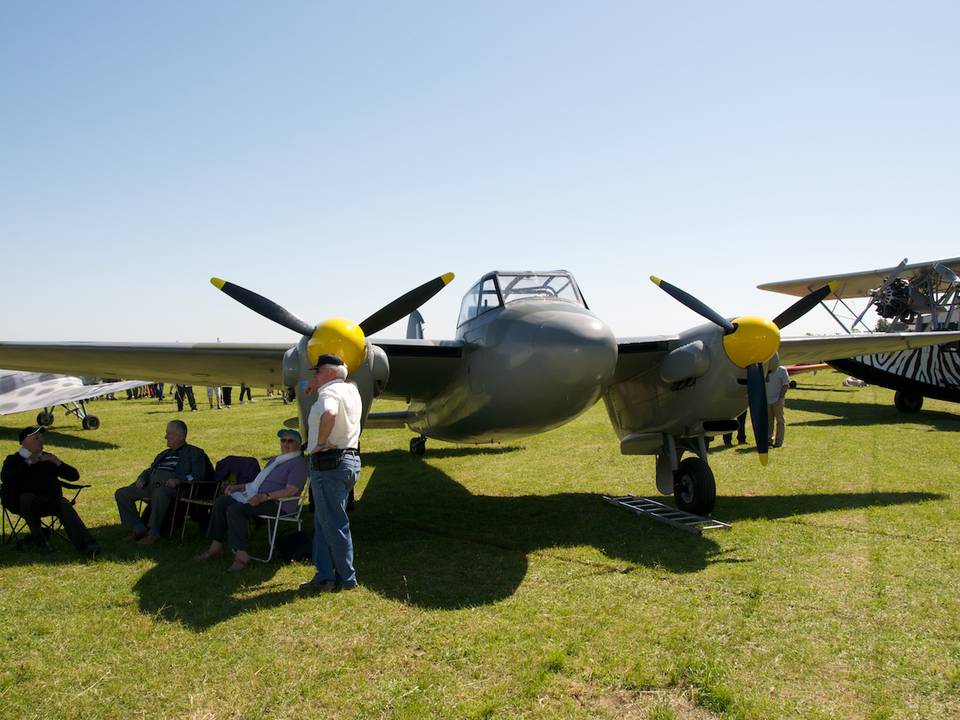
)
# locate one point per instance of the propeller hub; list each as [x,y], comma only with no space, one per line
[755,340]
[340,337]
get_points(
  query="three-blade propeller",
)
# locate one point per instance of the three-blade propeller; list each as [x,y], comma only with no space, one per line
[750,342]
[337,335]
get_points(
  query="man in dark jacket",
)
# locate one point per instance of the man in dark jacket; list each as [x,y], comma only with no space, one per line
[179,463]
[31,489]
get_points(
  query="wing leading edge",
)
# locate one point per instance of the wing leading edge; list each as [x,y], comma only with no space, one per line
[834,347]
[204,364]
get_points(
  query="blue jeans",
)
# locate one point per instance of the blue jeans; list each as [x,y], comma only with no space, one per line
[332,542]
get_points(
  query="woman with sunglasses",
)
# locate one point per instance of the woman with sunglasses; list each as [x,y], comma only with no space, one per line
[281,481]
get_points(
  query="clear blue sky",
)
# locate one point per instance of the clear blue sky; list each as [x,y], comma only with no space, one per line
[334,155]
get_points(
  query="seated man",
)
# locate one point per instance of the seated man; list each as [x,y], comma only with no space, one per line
[31,489]
[179,463]
[282,477]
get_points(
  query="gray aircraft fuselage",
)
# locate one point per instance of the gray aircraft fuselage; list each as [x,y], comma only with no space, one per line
[528,367]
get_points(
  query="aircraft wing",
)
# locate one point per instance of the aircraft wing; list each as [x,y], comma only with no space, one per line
[203,364]
[858,284]
[637,354]
[835,347]
[420,369]
[57,390]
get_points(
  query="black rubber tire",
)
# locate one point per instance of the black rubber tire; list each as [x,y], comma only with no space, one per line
[694,487]
[907,402]
[418,446]
[90,422]
[44,418]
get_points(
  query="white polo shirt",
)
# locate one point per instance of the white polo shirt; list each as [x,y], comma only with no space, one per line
[343,400]
[775,382]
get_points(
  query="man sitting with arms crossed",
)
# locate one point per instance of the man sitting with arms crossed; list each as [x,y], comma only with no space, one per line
[179,463]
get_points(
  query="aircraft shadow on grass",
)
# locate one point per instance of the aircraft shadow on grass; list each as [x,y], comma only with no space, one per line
[422,538]
[56,440]
[857,413]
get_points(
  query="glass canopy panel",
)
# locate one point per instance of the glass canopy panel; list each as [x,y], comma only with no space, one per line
[517,286]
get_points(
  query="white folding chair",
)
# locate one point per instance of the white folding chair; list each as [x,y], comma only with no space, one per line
[274,519]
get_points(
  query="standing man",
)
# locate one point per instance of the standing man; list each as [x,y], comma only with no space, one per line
[31,488]
[333,448]
[179,463]
[185,391]
[778,382]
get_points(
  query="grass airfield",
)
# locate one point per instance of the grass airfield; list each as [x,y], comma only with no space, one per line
[496,584]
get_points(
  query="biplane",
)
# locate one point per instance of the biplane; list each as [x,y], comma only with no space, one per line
[528,356]
[916,297]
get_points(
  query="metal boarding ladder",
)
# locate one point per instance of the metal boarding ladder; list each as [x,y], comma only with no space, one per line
[667,514]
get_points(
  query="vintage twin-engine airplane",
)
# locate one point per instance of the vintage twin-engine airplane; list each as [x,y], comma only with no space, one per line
[20,391]
[913,298]
[528,355]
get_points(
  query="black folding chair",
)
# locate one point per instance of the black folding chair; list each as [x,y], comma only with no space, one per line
[50,523]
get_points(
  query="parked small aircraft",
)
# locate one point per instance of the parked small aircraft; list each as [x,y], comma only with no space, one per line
[20,391]
[913,298]
[528,355]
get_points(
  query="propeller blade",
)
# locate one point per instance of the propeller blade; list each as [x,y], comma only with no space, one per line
[689,301]
[261,305]
[404,305]
[802,306]
[757,396]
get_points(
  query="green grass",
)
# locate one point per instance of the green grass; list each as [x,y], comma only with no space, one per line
[496,584]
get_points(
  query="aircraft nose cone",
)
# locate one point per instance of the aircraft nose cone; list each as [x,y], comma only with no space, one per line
[575,349]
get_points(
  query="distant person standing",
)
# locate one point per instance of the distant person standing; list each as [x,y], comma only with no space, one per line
[185,391]
[245,389]
[778,382]
[227,392]
[214,391]
[741,431]
[333,446]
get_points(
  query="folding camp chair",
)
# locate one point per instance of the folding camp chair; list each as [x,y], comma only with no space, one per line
[285,512]
[48,522]
[199,496]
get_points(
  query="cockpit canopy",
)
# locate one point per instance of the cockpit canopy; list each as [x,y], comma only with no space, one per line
[500,288]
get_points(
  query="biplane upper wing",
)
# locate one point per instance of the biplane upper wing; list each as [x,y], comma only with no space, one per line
[36,391]
[833,347]
[858,284]
[204,364]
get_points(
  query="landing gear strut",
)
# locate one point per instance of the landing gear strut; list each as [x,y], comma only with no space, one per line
[418,445]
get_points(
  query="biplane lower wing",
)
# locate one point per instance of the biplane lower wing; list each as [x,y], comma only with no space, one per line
[831,347]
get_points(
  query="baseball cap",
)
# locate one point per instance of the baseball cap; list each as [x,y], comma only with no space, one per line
[31,430]
[328,359]
[289,432]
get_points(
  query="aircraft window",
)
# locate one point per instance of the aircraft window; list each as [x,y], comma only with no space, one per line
[470,304]
[489,297]
[550,285]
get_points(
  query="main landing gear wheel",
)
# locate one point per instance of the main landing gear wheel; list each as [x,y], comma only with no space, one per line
[694,487]
[90,422]
[907,402]
[45,418]
[418,445]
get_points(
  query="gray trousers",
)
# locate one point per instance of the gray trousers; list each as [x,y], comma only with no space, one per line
[160,497]
[229,518]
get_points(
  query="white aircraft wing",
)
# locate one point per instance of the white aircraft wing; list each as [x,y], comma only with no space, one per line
[834,347]
[858,284]
[204,364]
[51,390]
